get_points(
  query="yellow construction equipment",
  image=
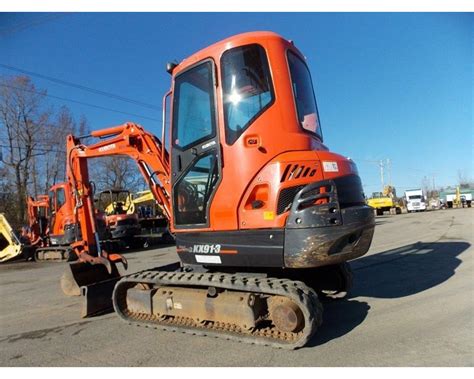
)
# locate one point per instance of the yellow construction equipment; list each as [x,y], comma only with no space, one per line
[10,245]
[123,197]
[149,213]
[385,201]
[132,202]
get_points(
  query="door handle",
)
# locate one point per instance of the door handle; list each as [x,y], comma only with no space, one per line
[253,141]
[179,163]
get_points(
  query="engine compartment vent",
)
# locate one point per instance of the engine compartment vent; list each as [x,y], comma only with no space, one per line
[286,198]
[296,171]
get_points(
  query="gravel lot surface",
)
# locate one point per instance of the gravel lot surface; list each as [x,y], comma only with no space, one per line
[412,305]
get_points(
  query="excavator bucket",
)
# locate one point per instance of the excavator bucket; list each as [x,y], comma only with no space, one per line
[98,297]
[95,280]
[10,245]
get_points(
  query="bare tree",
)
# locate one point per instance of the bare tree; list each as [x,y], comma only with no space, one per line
[7,190]
[54,163]
[118,172]
[464,180]
[83,127]
[425,184]
[24,120]
[32,144]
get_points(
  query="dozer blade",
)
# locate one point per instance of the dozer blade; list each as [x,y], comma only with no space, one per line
[80,274]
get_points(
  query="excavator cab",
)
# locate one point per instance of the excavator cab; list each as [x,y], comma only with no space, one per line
[62,228]
[114,201]
[38,221]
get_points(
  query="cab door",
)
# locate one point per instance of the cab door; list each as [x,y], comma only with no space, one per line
[58,211]
[196,156]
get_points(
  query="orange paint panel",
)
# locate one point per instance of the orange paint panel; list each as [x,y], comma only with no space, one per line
[228,251]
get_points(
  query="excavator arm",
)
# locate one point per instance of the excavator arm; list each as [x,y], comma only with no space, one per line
[153,162]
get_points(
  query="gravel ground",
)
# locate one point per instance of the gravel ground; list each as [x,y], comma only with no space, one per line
[411,305]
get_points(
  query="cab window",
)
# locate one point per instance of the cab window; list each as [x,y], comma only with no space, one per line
[193,106]
[303,93]
[247,88]
[60,198]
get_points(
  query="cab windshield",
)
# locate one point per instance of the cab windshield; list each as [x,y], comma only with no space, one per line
[303,93]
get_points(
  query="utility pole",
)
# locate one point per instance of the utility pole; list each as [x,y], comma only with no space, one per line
[389,164]
[381,174]
[381,163]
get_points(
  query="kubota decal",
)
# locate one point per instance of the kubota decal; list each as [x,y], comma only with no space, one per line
[107,147]
[205,249]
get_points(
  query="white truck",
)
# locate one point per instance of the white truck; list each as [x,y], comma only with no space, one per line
[415,200]
[465,199]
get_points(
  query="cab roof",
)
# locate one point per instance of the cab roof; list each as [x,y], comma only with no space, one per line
[216,49]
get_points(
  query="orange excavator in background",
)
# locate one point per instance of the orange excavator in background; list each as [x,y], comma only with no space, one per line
[265,216]
[51,224]
[52,227]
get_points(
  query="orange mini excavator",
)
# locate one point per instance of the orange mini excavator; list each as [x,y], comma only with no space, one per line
[265,217]
[51,224]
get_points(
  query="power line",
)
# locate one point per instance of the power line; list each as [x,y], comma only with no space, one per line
[81,87]
[28,24]
[80,102]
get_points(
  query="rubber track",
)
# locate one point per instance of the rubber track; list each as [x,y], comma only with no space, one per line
[66,250]
[297,291]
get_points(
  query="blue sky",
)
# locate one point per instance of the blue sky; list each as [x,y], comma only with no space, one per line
[388,85]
